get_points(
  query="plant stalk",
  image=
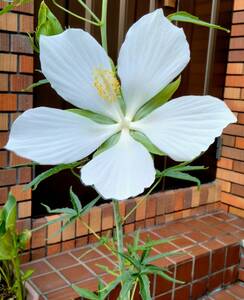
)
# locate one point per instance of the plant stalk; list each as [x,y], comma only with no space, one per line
[119,235]
[19,284]
[74,14]
[89,10]
[103,26]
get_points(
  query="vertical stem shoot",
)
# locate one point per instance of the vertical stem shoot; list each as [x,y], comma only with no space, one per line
[103,27]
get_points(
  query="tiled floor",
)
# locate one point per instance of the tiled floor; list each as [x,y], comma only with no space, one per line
[232,292]
[211,246]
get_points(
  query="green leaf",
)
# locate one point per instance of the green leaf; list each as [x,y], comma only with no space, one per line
[27,275]
[87,207]
[130,259]
[144,140]
[85,293]
[7,250]
[108,144]
[158,100]
[183,16]
[150,244]
[67,211]
[158,271]
[183,176]
[189,168]
[48,24]
[144,284]
[23,238]
[35,84]
[112,285]
[75,201]
[10,213]
[19,166]
[161,255]
[126,287]
[36,181]
[6,9]
[96,117]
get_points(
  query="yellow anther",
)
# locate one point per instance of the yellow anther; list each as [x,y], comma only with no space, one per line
[106,84]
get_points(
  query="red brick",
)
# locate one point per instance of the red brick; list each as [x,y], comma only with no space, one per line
[235,80]
[240,142]
[230,176]
[232,93]
[7,177]
[237,30]
[233,200]
[3,82]
[26,23]
[236,55]
[25,102]
[241,117]
[228,140]
[3,195]
[3,139]
[238,17]
[235,105]
[20,82]
[8,62]
[238,5]
[237,211]
[234,129]
[237,43]
[233,153]
[235,68]
[8,102]
[225,163]
[39,236]
[3,121]
[8,22]
[24,209]
[20,193]
[26,64]
[25,8]
[225,185]
[4,41]
[24,175]
[238,166]
[237,189]
[17,160]
[21,44]
[3,158]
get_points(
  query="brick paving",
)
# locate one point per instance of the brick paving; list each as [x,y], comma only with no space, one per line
[210,261]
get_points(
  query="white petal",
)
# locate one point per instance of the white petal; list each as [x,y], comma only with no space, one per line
[52,136]
[122,171]
[68,61]
[154,52]
[186,126]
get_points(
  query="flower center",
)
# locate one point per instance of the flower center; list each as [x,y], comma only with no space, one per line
[106,84]
[125,124]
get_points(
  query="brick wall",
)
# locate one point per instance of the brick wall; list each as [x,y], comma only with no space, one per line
[231,165]
[16,69]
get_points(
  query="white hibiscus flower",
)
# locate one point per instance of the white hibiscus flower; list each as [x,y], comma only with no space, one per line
[78,68]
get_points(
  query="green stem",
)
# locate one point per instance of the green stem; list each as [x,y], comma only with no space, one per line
[103,26]
[89,10]
[19,284]
[75,15]
[119,235]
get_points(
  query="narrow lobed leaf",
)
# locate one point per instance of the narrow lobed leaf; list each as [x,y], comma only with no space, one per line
[183,16]
[158,100]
